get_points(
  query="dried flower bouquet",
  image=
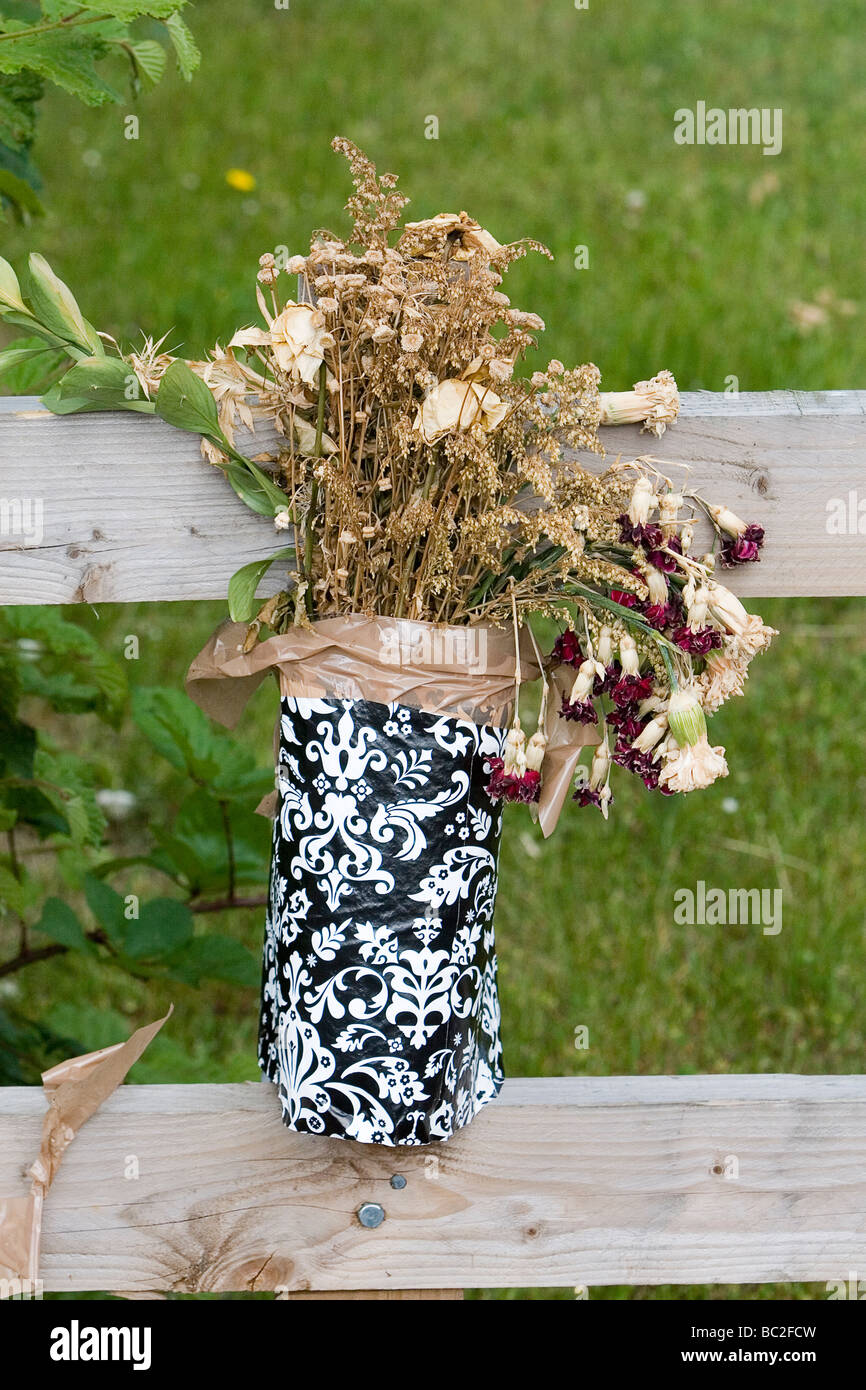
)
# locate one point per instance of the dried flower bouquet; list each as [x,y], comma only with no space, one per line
[419,477]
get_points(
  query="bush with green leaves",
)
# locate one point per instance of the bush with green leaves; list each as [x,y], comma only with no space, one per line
[64,887]
[76,45]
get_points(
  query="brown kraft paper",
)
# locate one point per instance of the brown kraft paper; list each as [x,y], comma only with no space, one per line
[75,1090]
[463,672]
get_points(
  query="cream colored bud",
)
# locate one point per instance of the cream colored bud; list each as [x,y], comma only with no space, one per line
[651,733]
[535,751]
[727,609]
[657,585]
[642,501]
[628,655]
[584,681]
[600,766]
[605,646]
[514,762]
[698,607]
[727,521]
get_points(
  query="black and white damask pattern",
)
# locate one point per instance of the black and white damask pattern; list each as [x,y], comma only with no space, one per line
[380,1013]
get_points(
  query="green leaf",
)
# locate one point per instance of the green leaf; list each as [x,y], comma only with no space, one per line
[17,356]
[76,405]
[194,850]
[183,400]
[215,958]
[244,582]
[20,194]
[149,56]
[10,290]
[65,782]
[132,9]
[186,52]
[17,895]
[69,668]
[19,94]
[108,380]
[182,734]
[55,306]
[59,922]
[268,487]
[164,926]
[249,491]
[107,907]
[65,58]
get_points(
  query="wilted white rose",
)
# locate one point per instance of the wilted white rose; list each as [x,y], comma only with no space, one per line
[469,236]
[458,405]
[297,337]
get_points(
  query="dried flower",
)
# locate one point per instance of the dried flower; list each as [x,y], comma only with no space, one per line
[693,766]
[298,338]
[655,402]
[430,480]
[464,237]
[458,405]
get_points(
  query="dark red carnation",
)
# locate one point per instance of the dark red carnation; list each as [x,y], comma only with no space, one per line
[660,615]
[698,641]
[566,649]
[582,711]
[629,690]
[742,550]
[506,786]
[585,797]
[626,723]
[661,559]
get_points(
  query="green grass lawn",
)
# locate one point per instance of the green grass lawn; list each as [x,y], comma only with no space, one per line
[555,123]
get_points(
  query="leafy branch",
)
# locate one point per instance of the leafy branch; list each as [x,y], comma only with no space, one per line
[55,837]
[65,43]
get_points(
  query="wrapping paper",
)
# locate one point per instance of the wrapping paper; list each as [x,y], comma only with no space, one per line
[380,1013]
[75,1089]
[463,672]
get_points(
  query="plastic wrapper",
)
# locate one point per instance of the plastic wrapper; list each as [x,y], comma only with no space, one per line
[75,1090]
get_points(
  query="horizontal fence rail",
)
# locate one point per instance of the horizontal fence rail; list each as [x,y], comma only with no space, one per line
[642,1180]
[608,1180]
[129,511]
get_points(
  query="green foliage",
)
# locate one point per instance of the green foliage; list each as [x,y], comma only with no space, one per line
[57,334]
[55,831]
[67,43]
[103,382]
[243,604]
[62,663]
[182,734]
[27,1048]
[183,400]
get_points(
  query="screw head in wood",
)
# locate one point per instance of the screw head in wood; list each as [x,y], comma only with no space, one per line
[371,1215]
[398,1181]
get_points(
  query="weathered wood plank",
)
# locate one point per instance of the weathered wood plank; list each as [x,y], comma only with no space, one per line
[560,1182]
[130,511]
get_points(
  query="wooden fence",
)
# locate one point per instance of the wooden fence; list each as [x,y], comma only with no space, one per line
[561,1181]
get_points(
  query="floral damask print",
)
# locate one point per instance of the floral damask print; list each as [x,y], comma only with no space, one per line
[380,1014]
